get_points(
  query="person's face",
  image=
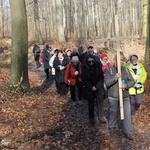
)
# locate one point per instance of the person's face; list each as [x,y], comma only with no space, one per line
[69,53]
[134,60]
[105,59]
[60,55]
[75,63]
[121,61]
[90,61]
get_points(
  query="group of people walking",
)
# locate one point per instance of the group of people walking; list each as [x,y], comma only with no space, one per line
[96,78]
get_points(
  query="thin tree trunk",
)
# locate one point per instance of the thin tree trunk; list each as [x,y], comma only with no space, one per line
[2,19]
[59,21]
[37,23]
[145,13]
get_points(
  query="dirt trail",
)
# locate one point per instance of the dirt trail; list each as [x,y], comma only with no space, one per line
[82,136]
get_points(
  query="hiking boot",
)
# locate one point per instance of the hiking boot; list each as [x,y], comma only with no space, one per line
[129,136]
[102,119]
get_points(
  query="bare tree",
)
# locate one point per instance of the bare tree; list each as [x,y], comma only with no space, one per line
[2,18]
[59,21]
[37,23]
[19,50]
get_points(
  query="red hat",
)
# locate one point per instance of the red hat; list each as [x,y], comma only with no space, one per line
[103,55]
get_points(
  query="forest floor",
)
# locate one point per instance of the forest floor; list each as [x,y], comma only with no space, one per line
[40,120]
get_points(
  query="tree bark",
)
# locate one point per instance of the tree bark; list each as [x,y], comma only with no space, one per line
[147,53]
[145,16]
[59,21]
[19,50]
[2,19]
[37,23]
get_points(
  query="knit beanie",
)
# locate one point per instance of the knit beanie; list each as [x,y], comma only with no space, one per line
[103,55]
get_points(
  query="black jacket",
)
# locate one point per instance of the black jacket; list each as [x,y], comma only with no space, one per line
[93,76]
[60,74]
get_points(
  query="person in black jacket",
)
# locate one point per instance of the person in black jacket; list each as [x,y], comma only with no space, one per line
[60,63]
[93,81]
[36,51]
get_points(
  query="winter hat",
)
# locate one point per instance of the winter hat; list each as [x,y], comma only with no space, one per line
[74,49]
[133,54]
[75,58]
[103,55]
[55,50]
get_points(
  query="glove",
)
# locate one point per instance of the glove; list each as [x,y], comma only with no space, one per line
[76,73]
[138,85]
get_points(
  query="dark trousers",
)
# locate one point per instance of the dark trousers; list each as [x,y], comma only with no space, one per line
[47,72]
[73,91]
[135,101]
[61,88]
[91,97]
[113,116]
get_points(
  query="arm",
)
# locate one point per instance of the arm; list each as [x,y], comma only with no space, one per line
[55,64]
[83,76]
[67,73]
[101,78]
[143,76]
[110,79]
[130,82]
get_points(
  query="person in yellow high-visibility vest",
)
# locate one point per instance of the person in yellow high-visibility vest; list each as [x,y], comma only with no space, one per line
[139,74]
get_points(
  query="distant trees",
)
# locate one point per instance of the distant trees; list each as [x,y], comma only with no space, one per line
[19,50]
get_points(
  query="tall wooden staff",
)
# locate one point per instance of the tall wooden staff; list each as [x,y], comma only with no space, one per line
[119,68]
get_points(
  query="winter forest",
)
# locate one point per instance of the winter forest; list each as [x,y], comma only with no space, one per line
[52,94]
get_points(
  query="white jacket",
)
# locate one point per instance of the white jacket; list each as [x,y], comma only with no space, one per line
[51,63]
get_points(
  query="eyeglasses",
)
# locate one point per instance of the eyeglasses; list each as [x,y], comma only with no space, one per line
[91,61]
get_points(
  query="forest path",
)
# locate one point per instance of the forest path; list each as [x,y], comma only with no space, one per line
[77,134]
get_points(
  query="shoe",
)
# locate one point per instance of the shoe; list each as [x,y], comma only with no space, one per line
[129,136]
[80,102]
[112,130]
[102,119]
[74,103]
[91,122]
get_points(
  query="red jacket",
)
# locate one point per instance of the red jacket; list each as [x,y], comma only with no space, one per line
[70,74]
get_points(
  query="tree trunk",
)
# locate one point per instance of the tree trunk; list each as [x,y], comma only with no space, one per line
[59,21]
[145,13]
[147,53]
[37,23]
[2,19]
[19,50]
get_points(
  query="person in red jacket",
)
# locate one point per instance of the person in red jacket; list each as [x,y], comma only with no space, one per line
[73,77]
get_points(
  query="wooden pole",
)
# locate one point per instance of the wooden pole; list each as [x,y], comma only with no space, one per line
[119,68]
